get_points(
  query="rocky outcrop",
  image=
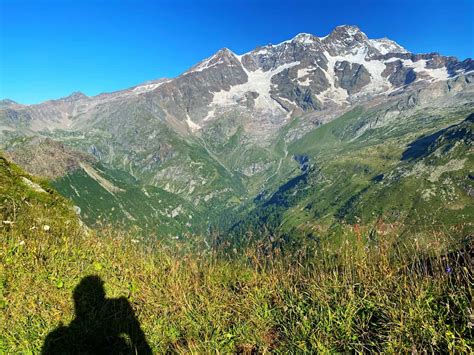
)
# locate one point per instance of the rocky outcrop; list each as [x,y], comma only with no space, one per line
[46,158]
[221,118]
[264,87]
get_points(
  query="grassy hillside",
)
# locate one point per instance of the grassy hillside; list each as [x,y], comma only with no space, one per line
[414,176]
[363,168]
[364,296]
[107,195]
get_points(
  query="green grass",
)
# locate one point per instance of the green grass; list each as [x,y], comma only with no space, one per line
[148,208]
[362,178]
[327,135]
[360,296]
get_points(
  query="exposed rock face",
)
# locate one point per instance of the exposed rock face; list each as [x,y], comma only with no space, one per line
[229,117]
[352,77]
[269,84]
[8,103]
[47,158]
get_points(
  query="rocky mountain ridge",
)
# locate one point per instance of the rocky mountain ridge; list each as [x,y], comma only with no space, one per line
[277,82]
[221,133]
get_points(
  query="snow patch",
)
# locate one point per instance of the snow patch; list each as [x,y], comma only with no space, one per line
[332,93]
[304,38]
[206,65]
[302,73]
[209,62]
[375,68]
[148,87]
[439,74]
[261,51]
[287,101]
[384,46]
[192,125]
[209,115]
[393,59]
[420,68]
[351,30]
[462,72]
[259,81]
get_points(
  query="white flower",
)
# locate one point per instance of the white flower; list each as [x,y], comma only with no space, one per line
[46,228]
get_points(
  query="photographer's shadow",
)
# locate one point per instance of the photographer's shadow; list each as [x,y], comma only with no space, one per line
[101,326]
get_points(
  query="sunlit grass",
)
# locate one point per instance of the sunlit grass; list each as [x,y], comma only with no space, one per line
[363,295]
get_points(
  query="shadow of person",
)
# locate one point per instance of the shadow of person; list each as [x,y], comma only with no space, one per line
[101,326]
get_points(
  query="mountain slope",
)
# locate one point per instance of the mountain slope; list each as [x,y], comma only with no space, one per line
[354,299]
[388,173]
[225,132]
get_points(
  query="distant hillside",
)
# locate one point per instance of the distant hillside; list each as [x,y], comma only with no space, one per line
[183,155]
[414,178]
[359,296]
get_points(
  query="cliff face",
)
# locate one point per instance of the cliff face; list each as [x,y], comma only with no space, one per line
[219,134]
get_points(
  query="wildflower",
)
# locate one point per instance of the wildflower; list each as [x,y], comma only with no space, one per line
[448,269]
[46,228]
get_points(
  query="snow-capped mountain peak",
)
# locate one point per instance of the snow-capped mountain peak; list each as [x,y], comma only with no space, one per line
[273,83]
[385,45]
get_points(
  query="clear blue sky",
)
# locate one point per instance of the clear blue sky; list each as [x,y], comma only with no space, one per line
[49,49]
